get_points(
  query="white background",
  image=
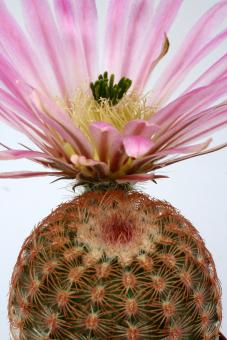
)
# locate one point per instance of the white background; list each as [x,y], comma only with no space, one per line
[197,187]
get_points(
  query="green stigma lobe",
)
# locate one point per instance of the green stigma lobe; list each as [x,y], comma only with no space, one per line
[104,88]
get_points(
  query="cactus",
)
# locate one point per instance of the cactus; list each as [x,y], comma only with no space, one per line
[115,264]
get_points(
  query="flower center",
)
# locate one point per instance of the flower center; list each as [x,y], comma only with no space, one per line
[104,88]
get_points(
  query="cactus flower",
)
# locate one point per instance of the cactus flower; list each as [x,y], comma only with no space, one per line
[56,88]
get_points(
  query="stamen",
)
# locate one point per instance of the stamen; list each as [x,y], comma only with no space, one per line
[104,88]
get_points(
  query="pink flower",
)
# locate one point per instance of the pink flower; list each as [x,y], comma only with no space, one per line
[45,90]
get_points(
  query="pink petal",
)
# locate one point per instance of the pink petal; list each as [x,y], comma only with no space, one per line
[140,127]
[136,146]
[140,15]
[199,125]
[210,120]
[139,178]
[18,49]
[86,14]
[27,174]
[109,144]
[100,169]
[17,100]
[20,108]
[107,140]
[22,125]
[32,125]
[184,149]
[68,21]
[75,159]
[179,159]
[44,159]
[43,30]
[47,160]
[159,27]
[47,144]
[12,102]
[17,154]
[196,45]
[140,33]
[190,104]
[114,38]
[13,81]
[204,124]
[60,120]
[217,71]
[181,118]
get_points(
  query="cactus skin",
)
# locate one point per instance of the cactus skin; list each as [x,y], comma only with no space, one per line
[114,265]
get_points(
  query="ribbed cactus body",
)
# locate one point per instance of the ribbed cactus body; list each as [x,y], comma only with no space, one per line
[114,265]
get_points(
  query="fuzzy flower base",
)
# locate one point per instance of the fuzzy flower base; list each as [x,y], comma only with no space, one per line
[115,264]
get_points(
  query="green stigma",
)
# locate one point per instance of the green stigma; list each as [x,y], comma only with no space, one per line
[104,88]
